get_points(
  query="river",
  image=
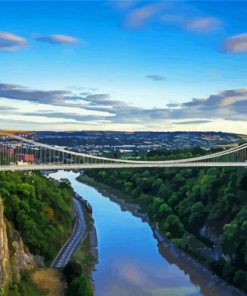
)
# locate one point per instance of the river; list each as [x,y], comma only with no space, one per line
[129,260]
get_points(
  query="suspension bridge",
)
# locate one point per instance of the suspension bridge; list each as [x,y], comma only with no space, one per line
[18,153]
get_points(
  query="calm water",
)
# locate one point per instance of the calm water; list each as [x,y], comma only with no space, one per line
[129,260]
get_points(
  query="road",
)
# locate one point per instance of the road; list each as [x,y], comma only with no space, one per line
[51,167]
[78,234]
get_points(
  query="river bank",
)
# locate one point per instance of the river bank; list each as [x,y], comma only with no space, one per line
[209,283]
[81,246]
[87,252]
[129,260]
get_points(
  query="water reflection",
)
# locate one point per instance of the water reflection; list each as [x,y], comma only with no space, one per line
[130,263]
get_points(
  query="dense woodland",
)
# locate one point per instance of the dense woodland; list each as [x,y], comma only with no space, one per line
[42,211]
[178,154]
[184,202]
[39,209]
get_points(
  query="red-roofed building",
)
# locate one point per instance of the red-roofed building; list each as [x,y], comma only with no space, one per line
[9,150]
[26,158]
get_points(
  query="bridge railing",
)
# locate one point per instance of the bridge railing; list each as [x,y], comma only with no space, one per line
[18,150]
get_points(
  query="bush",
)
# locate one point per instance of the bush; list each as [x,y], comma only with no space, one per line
[80,287]
[78,284]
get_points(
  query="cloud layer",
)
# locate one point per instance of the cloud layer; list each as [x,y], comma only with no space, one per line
[156,77]
[58,39]
[138,17]
[176,13]
[98,108]
[236,44]
[203,24]
[10,42]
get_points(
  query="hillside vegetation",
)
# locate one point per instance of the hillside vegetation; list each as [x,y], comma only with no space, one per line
[39,209]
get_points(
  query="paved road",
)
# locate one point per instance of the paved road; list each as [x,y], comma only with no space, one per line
[47,167]
[78,234]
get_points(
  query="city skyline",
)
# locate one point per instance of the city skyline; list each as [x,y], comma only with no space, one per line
[124,65]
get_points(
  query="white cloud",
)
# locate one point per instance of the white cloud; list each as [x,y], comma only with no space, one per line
[10,42]
[138,17]
[156,77]
[203,24]
[236,44]
[58,39]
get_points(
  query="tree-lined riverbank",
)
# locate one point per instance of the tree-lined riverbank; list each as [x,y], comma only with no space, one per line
[192,208]
[129,262]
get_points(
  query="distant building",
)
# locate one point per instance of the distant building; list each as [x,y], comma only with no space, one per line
[9,150]
[25,158]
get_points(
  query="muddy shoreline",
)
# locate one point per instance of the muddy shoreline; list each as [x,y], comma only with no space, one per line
[93,242]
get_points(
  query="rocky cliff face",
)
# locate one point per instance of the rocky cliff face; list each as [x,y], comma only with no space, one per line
[20,257]
[14,256]
[5,270]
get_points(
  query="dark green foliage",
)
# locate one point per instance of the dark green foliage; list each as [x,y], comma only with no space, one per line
[172,226]
[79,287]
[78,284]
[240,278]
[185,200]
[71,271]
[39,209]
[176,154]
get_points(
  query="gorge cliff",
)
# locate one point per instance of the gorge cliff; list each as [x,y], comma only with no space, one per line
[14,256]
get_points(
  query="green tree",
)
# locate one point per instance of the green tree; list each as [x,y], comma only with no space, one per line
[79,287]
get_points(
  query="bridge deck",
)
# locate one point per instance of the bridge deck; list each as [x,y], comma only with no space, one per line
[39,167]
[21,154]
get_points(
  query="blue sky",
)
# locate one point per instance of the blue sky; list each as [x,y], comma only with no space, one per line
[124,65]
